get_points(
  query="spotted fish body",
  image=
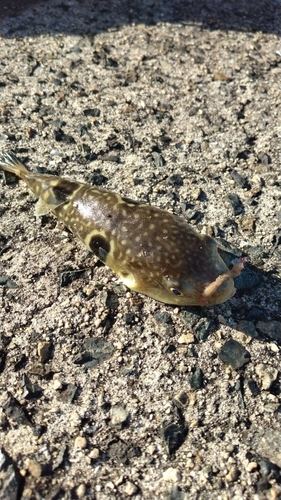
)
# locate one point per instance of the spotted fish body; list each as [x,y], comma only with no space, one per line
[153,251]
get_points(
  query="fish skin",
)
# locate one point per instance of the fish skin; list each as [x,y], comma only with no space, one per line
[153,251]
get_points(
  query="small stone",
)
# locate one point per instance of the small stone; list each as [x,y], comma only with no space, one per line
[264,158]
[80,442]
[130,489]
[94,454]
[152,448]
[236,203]
[27,493]
[246,280]
[57,384]
[44,350]
[172,475]
[255,313]
[93,112]
[67,393]
[267,443]
[186,338]
[252,466]
[274,493]
[271,328]
[196,379]
[217,75]
[81,490]
[163,317]
[268,469]
[94,351]
[248,327]
[232,475]
[253,387]
[34,468]
[248,224]
[119,415]
[239,179]
[182,399]
[158,159]
[234,354]
[10,478]
[203,329]
[174,436]
[268,375]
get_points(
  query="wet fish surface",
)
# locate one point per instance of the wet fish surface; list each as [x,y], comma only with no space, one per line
[153,251]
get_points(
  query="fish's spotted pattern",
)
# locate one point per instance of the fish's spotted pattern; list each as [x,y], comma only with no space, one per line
[153,251]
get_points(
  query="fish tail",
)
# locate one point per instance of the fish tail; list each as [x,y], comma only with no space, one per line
[10,163]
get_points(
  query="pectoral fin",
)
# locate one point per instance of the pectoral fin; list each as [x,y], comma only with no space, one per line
[42,208]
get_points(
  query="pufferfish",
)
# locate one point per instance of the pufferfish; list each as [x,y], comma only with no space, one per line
[153,251]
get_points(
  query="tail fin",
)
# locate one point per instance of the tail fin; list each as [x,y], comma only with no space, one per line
[10,163]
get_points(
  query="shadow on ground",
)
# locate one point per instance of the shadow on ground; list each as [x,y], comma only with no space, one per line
[71,16]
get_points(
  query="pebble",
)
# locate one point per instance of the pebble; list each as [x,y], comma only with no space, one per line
[186,338]
[239,179]
[255,313]
[248,327]
[264,158]
[94,351]
[34,468]
[268,469]
[44,350]
[10,478]
[57,384]
[271,328]
[196,379]
[119,416]
[248,224]
[252,466]
[232,475]
[253,387]
[174,436]
[236,203]
[246,280]
[152,448]
[267,374]
[80,442]
[94,453]
[182,399]
[67,393]
[81,490]
[234,354]
[130,488]
[267,443]
[172,475]
[203,329]
[163,317]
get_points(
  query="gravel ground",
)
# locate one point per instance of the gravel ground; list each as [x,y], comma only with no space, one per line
[106,393]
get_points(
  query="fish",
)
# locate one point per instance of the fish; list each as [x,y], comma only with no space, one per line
[155,252]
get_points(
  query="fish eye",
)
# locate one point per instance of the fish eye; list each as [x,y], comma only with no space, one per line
[175,291]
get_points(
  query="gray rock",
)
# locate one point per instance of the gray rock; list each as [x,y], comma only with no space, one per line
[271,328]
[234,354]
[119,415]
[94,351]
[174,436]
[247,279]
[10,478]
[196,379]
[248,327]
[267,443]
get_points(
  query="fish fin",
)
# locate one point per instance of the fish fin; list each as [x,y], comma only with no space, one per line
[10,163]
[42,208]
[60,193]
